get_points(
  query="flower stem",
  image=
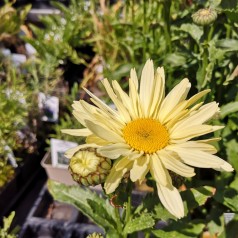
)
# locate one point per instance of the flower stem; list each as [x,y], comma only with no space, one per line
[128,209]
[118,221]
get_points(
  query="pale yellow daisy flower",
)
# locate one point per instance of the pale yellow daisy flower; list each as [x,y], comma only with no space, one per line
[150,132]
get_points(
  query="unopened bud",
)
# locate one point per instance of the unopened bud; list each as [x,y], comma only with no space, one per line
[204,16]
[87,167]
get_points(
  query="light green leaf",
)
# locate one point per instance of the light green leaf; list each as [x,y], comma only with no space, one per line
[175,60]
[229,108]
[228,44]
[166,234]
[144,221]
[196,197]
[86,201]
[193,30]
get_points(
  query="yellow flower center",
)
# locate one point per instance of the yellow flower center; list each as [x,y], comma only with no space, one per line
[147,135]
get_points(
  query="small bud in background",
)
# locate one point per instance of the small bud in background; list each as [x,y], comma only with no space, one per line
[88,168]
[204,16]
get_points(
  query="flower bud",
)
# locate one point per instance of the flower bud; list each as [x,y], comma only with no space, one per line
[204,16]
[88,168]
[95,235]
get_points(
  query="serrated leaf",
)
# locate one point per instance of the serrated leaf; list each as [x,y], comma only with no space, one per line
[144,221]
[80,197]
[229,108]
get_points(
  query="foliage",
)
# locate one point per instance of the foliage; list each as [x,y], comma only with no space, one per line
[62,34]
[144,217]
[4,231]
[13,116]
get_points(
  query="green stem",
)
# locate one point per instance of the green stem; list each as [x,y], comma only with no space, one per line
[205,55]
[128,209]
[166,16]
[118,220]
[133,29]
[144,30]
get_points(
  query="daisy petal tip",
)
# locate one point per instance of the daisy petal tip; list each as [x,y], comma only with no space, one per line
[227,167]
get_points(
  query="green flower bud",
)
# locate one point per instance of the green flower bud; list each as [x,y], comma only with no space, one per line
[204,16]
[95,235]
[87,167]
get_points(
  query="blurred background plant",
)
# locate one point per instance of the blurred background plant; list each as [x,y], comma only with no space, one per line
[62,41]
[11,19]
[13,115]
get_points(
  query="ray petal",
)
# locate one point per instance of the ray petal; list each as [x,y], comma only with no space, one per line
[123,163]
[77,132]
[70,152]
[147,85]
[176,95]
[113,151]
[185,134]
[201,159]
[158,93]
[115,177]
[139,168]
[158,171]
[104,133]
[205,113]
[171,199]
[172,162]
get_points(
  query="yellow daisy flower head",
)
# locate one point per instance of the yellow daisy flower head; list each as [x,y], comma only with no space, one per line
[149,132]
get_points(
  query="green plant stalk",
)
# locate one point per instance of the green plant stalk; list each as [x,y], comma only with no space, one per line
[166,16]
[144,30]
[118,221]
[133,28]
[128,209]
[204,56]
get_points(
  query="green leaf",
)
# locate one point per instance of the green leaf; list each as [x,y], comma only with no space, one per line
[181,229]
[231,196]
[229,108]
[88,202]
[193,30]
[144,221]
[166,234]
[232,151]
[175,60]
[232,14]
[196,197]
[228,44]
